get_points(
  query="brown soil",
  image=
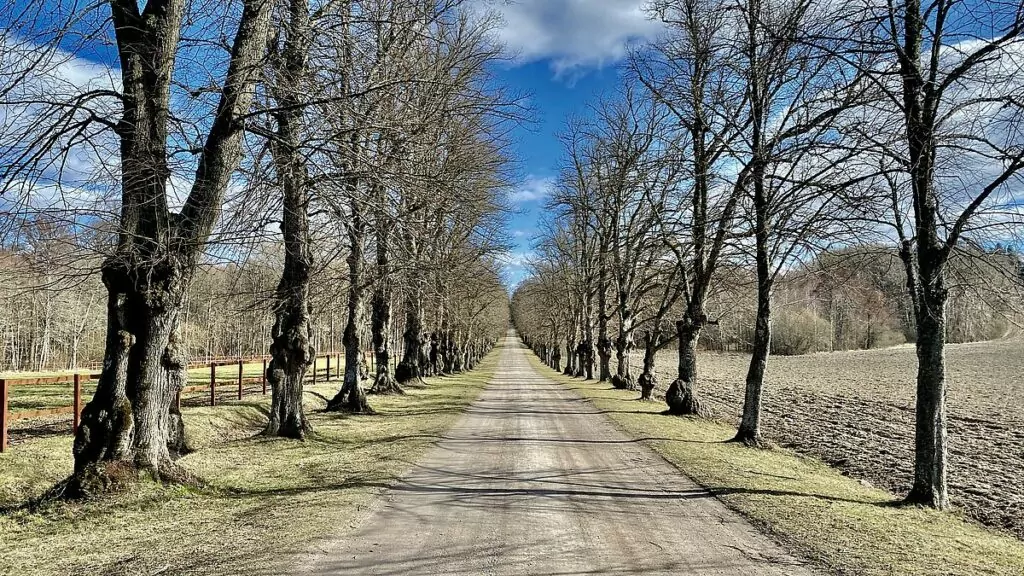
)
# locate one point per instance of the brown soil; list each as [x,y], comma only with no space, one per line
[855,411]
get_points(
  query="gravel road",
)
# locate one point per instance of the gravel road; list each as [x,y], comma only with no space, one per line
[533,480]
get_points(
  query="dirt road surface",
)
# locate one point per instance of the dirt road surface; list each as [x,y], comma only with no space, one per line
[533,480]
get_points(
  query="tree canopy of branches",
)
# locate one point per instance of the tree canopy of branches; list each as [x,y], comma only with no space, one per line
[762,146]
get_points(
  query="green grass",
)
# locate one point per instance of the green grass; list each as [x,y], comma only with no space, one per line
[264,501]
[835,521]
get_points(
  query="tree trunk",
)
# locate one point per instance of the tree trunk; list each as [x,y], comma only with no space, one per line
[648,380]
[604,342]
[434,355]
[380,321]
[930,450]
[570,353]
[351,397]
[750,425]
[130,424]
[623,379]
[384,382]
[408,370]
[681,396]
[291,351]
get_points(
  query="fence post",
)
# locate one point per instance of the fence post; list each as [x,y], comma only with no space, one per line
[314,369]
[239,379]
[264,376]
[78,404]
[328,367]
[213,383]
[3,414]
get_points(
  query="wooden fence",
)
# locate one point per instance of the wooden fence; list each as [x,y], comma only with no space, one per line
[76,380]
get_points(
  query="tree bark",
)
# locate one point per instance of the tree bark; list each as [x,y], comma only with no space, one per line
[291,350]
[623,379]
[749,431]
[131,425]
[681,396]
[750,425]
[604,342]
[648,380]
[408,370]
[570,351]
[380,322]
[351,398]
[930,444]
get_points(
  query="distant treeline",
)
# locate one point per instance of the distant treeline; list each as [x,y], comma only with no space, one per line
[857,299]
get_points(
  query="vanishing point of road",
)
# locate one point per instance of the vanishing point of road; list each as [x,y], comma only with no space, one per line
[534,480]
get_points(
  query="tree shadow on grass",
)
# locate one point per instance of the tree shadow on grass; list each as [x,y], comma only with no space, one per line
[732,490]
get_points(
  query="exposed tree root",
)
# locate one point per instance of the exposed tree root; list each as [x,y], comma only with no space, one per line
[110,478]
[386,386]
[752,441]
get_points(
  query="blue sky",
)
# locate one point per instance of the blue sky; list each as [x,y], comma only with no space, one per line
[537,148]
[568,52]
[565,53]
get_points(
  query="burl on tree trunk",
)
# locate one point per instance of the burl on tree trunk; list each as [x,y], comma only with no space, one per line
[681,396]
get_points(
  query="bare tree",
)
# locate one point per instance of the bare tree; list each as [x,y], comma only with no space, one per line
[949,97]
[131,418]
[793,161]
[688,73]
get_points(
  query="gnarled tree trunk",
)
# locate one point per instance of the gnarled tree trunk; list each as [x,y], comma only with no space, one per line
[130,424]
[681,396]
[623,379]
[408,370]
[648,380]
[291,348]
[132,421]
[351,397]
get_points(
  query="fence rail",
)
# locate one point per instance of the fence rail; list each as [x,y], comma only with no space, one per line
[6,416]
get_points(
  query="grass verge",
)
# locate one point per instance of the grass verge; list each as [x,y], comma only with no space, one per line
[265,500]
[833,520]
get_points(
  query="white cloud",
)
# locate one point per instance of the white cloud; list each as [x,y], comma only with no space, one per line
[574,34]
[534,189]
